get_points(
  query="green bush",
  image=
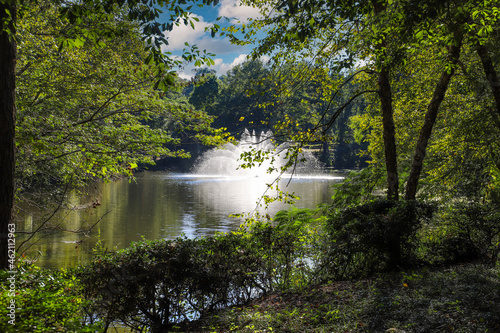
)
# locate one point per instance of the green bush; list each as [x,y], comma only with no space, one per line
[291,245]
[358,187]
[374,237]
[45,301]
[157,285]
[469,231]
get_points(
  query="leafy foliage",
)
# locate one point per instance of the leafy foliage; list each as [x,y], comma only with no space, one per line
[464,232]
[357,188]
[85,112]
[45,301]
[160,284]
[373,237]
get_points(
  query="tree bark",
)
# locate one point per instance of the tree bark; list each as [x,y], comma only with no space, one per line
[430,118]
[391,162]
[7,129]
[491,75]
[385,94]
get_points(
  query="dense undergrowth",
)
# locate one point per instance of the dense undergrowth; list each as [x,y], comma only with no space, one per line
[374,267]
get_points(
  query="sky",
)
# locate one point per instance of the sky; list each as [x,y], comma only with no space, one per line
[226,55]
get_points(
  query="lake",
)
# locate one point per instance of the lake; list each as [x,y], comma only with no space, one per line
[161,205]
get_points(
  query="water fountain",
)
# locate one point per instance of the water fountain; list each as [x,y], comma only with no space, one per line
[226,160]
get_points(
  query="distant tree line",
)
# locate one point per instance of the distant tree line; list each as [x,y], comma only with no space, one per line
[250,96]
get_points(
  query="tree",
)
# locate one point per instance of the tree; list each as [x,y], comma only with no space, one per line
[86,20]
[240,94]
[65,100]
[383,34]
[333,32]
[204,93]
[7,124]
[385,95]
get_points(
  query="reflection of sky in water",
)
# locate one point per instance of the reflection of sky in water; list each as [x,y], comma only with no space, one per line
[161,205]
[229,195]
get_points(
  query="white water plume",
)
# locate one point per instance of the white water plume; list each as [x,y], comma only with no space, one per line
[226,160]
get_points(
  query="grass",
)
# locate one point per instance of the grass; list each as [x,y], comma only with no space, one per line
[462,298]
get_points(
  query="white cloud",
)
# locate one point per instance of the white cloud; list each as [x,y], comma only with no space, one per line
[265,59]
[218,62]
[185,33]
[197,36]
[186,74]
[237,12]
[224,68]
[218,45]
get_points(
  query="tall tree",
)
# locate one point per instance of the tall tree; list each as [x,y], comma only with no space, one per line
[7,123]
[385,95]
[431,116]
[84,17]
[493,79]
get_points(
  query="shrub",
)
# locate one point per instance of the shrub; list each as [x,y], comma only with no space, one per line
[373,237]
[470,231]
[45,301]
[290,245]
[159,284]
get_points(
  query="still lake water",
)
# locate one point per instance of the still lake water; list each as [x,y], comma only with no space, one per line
[163,205]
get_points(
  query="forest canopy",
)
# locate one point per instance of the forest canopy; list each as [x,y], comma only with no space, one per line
[426,73]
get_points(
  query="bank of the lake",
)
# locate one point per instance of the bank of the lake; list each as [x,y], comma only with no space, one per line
[463,298]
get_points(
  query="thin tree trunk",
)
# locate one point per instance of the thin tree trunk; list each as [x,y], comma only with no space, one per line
[385,94]
[491,75]
[391,162]
[7,129]
[430,118]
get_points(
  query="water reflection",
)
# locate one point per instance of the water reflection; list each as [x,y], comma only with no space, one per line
[162,205]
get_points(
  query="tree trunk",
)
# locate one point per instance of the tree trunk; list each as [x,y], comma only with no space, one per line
[430,118]
[391,162]
[385,94]
[491,75]
[7,129]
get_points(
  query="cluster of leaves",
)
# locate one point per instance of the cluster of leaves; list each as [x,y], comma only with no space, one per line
[160,284]
[45,301]
[373,237]
[462,232]
[89,22]
[357,187]
[249,96]
[86,111]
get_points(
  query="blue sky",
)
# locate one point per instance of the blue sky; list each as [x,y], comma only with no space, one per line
[226,54]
